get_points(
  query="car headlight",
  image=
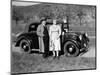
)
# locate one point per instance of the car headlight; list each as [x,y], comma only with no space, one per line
[85,44]
[66,30]
[80,37]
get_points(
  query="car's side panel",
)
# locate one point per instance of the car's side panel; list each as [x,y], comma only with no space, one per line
[32,37]
[35,43]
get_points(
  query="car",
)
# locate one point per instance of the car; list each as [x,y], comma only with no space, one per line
[72,43]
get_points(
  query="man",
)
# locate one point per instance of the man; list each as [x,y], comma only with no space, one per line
[65,23]
[42,32]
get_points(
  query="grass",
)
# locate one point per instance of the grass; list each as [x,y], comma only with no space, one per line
[24,63]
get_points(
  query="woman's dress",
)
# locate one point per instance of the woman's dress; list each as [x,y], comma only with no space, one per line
[54,33]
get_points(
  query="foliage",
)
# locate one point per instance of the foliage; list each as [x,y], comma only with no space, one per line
[46,12]
[73,13]
[17,15]
[81,14]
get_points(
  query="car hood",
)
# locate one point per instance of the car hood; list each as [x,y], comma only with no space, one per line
[74,33]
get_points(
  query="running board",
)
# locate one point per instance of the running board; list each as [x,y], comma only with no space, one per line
[35,49]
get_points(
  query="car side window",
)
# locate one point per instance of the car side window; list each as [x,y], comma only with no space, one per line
[32,27]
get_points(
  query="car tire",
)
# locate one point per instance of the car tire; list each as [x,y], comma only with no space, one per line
[70,49]
[25,46]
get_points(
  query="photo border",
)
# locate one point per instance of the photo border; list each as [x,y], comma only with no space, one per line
[53,3]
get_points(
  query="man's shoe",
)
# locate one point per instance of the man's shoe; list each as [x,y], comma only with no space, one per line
[54,57]
[45,56]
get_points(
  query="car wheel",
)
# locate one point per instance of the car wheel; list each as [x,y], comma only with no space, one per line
[25,46]
[70,49]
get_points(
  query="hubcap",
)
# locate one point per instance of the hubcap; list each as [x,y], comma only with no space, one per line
[71,49]
[25,46]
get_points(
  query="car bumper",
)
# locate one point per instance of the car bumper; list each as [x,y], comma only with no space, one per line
[84,50]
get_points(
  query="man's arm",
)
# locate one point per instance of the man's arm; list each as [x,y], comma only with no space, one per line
[39,31]
[59,30]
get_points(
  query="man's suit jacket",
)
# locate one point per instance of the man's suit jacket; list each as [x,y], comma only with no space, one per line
[40,30]
[40,34]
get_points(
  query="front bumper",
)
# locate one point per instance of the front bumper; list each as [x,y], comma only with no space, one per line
[84,50]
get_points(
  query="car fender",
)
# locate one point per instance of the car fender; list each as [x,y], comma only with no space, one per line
[74,41]
[23,37]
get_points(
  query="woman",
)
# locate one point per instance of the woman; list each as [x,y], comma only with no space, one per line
[54,33]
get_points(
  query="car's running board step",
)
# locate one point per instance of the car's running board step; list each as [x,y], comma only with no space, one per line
[35,49]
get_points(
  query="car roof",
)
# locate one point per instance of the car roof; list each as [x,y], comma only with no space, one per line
[33,23]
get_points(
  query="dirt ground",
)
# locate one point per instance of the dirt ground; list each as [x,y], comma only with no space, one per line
[26,63]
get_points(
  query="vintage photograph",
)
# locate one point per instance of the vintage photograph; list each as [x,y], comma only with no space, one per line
[52,37]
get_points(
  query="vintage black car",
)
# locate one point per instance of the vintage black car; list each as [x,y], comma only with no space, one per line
[72,44]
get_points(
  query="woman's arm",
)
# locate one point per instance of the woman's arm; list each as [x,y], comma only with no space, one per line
[59,29]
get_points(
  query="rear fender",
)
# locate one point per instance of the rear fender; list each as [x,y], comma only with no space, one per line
[23,37]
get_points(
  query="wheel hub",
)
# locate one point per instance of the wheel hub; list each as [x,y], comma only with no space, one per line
[24,47]
[70,49]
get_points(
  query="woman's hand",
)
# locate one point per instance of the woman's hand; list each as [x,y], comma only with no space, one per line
[57,37]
